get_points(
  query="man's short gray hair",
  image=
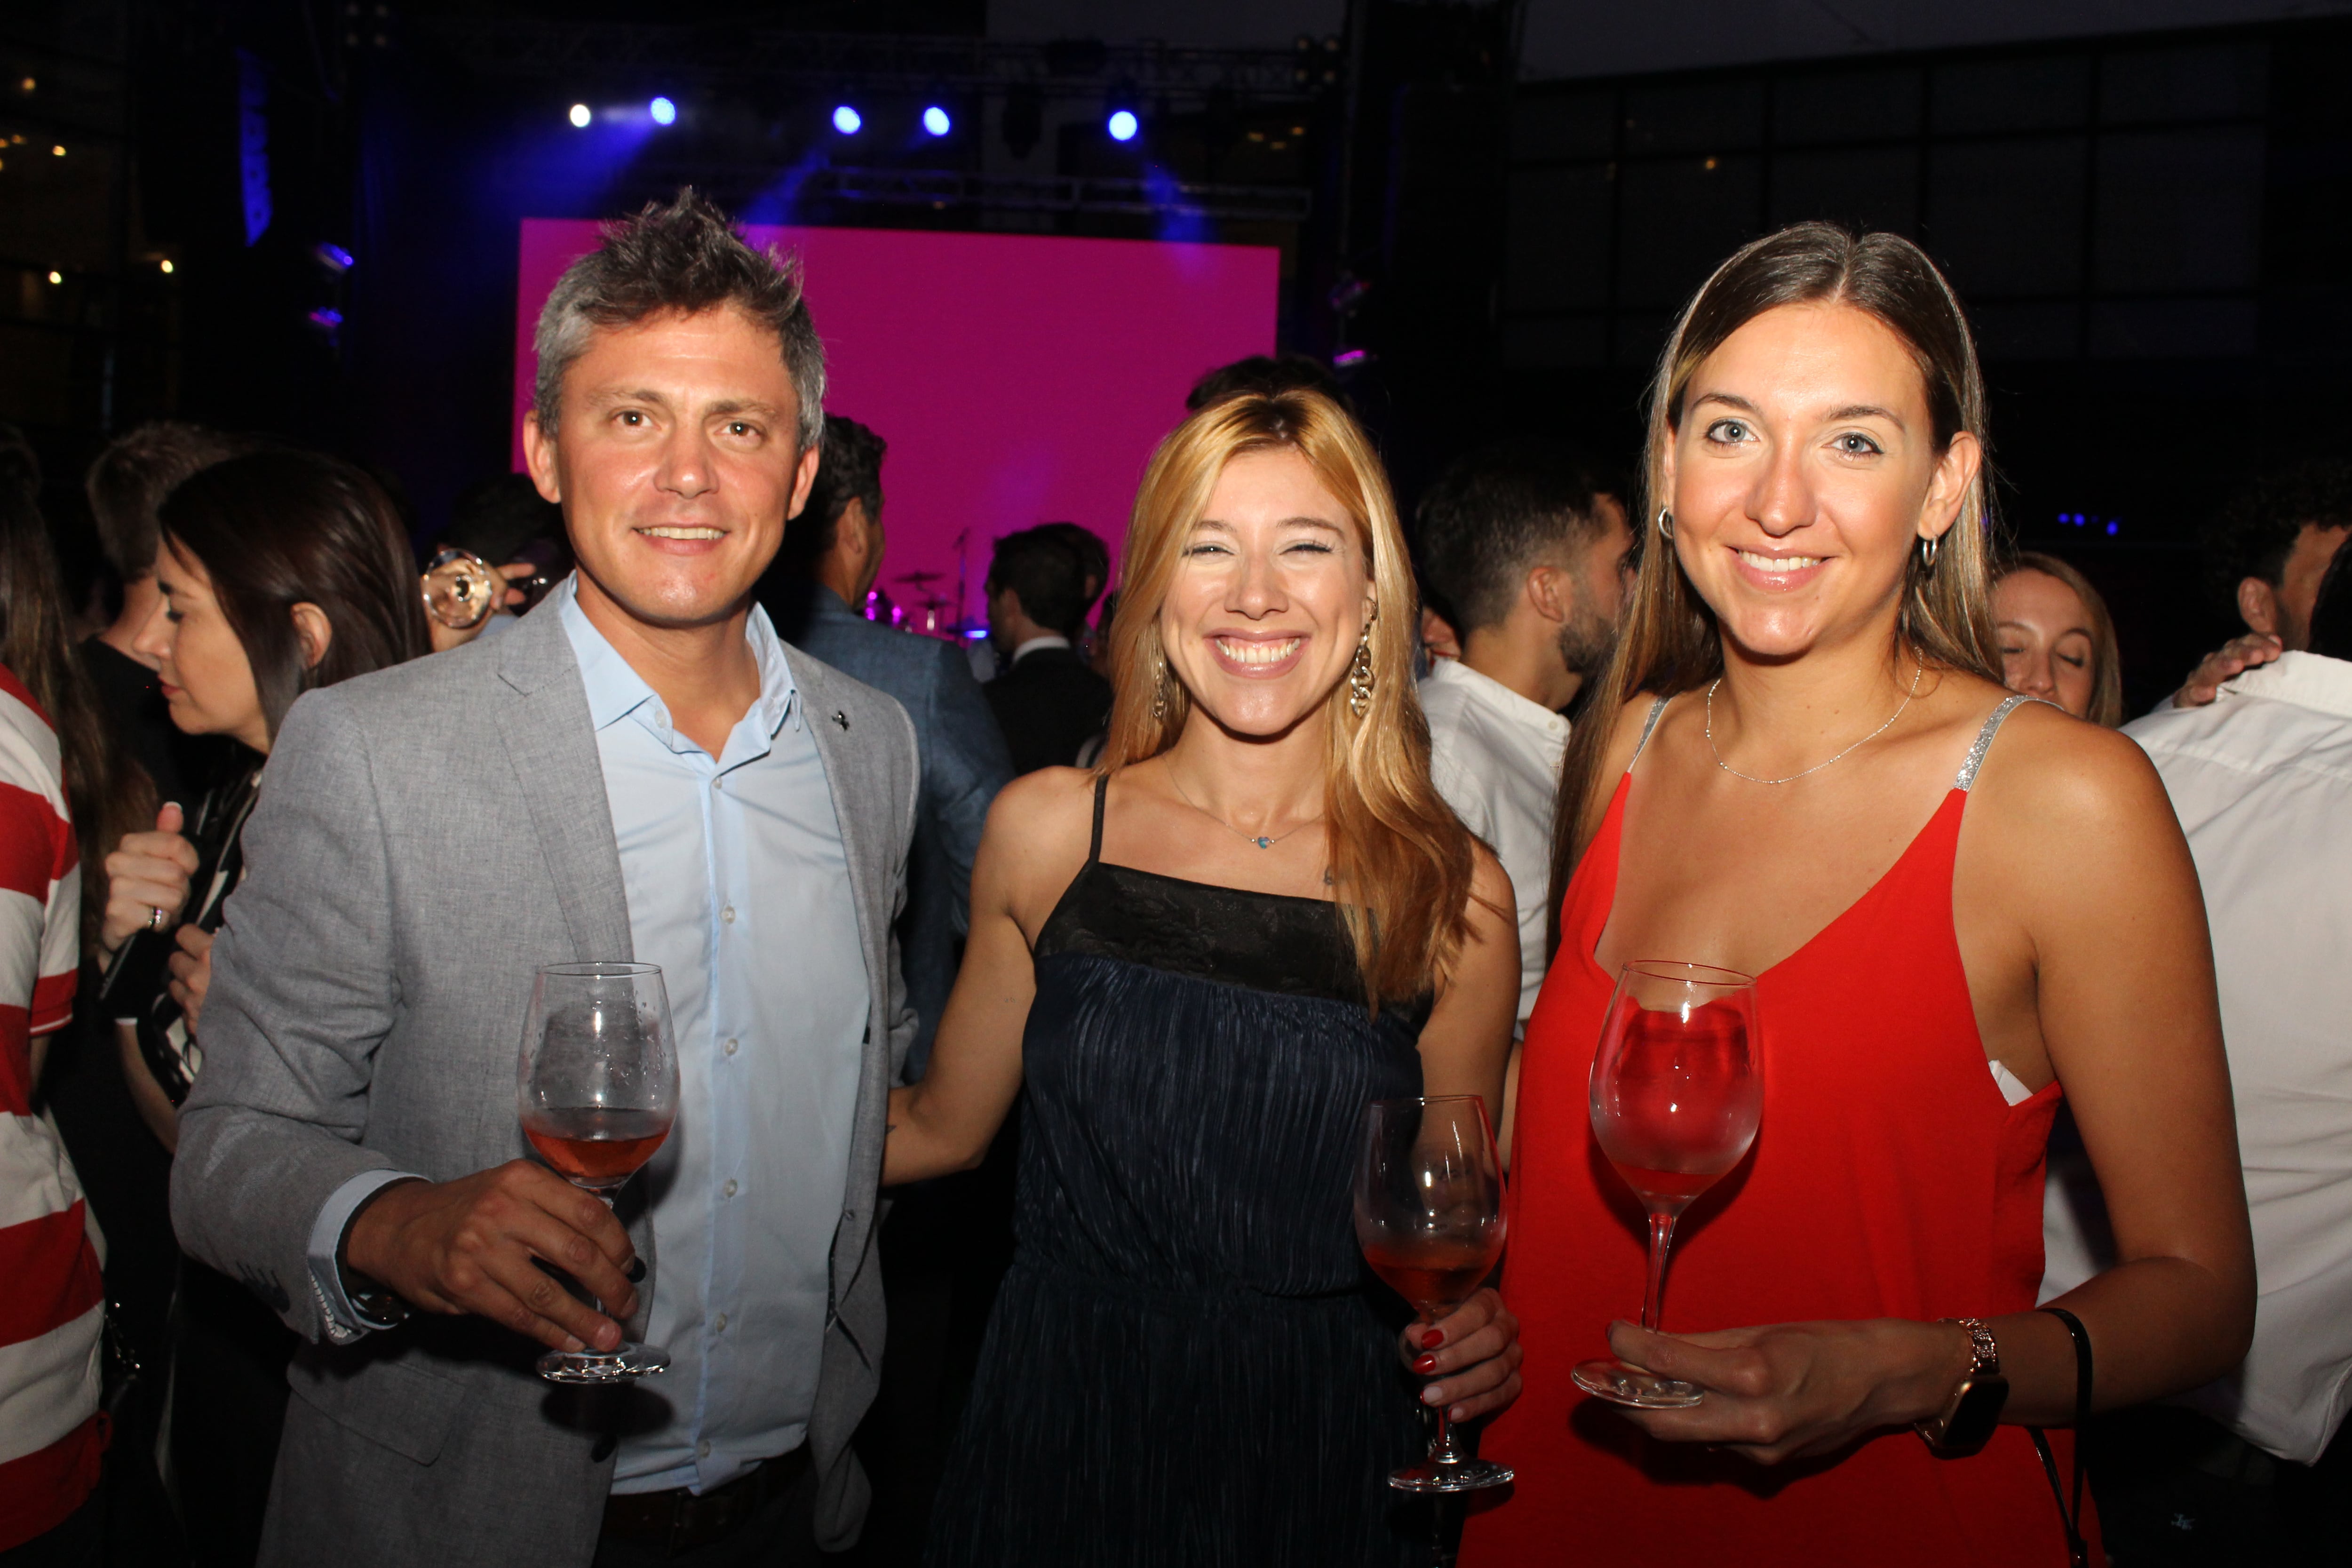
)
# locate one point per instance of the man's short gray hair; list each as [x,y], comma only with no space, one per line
[686,256]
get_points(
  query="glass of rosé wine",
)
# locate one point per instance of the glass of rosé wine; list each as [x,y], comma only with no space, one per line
[597,1088]
[1428,1216]
[1677,1088]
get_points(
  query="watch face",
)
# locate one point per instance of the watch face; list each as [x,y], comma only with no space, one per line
[460,589]
[1977,1414]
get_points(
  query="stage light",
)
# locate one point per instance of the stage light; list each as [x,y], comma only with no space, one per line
[167,266]
[580,116]
[331,257]
[56,276]
[664,112]
[848,121]
[936,120]
[1122,125]
[59,150]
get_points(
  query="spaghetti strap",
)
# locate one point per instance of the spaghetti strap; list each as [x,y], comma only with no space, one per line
[1649,724]
[1984,738]
[1094,849]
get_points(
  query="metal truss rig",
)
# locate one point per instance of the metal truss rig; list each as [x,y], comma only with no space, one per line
[940,188]
[510,45]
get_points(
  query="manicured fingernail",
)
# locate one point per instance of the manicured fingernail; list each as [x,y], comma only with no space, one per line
[637,1271]
[1459,1413]
[1426,1363]
[1432,1338]
[1432,1394]
[571,1344]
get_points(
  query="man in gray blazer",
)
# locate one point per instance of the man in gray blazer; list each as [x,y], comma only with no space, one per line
[640,770]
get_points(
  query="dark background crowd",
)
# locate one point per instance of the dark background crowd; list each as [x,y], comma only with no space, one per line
[1484,237]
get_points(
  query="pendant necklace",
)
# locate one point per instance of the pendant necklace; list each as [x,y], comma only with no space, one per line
[1262,840]
[1916,671]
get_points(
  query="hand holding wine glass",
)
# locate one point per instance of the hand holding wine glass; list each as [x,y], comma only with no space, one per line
[1676,1091]
[597,1091]
[1428,1216]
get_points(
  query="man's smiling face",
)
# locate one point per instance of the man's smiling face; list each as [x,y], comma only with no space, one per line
[677,459]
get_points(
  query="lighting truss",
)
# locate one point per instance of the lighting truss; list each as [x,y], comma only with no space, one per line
[514,46]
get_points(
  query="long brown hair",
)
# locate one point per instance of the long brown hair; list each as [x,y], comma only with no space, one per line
[1401,861]
[277,528]
[107,791]
[2106,708]
[1668,641]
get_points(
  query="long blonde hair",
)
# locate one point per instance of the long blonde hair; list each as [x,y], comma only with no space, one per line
[1668,641]
[1401,860]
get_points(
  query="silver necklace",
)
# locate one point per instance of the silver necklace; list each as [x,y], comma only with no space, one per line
[1262,840]
[1917,670]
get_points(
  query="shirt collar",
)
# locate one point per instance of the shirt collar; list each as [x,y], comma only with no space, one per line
[1497,698]
[616,691]
[1034,645]
[2305,680]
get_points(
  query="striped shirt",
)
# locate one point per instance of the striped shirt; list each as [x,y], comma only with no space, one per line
[53,1301]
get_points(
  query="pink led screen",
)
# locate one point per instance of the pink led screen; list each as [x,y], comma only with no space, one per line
[1018,378]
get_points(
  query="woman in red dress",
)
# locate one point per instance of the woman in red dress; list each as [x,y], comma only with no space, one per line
[1802,766]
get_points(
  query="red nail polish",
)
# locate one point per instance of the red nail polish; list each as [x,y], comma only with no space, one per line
[1426,1363]
[1432,1338]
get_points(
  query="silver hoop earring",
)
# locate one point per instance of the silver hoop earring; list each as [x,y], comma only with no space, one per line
[1928,549]
[1666,524]
[1359,678]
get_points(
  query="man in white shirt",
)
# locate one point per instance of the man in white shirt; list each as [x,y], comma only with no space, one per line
[2262,781]
[1527,561]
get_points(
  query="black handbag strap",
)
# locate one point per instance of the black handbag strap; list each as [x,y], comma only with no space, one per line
[2078,1551]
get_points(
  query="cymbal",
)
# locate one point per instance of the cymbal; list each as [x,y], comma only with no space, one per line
[918,576]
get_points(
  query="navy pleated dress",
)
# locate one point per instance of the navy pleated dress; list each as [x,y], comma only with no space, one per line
[1189,1363]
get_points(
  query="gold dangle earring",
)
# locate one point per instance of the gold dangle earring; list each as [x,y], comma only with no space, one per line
[1159,692]
[1360,674]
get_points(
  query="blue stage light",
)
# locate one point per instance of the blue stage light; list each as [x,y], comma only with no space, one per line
[1122,125]
[848,121]
[936,120]
[580,116]
[664,112]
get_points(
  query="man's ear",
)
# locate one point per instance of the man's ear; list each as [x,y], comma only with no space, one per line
[802,478]
[2258,606]
[539,457]
[1546,591]
[314,631]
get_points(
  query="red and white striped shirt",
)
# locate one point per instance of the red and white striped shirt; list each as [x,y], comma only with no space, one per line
[52,1301]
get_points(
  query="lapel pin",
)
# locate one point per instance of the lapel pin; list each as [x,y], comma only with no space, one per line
[841,718]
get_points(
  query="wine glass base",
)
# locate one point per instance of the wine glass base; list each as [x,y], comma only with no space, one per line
[1462,1476]
[620,1365]
[1622,1384]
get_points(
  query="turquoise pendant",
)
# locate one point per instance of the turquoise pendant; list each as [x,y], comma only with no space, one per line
[1265,843]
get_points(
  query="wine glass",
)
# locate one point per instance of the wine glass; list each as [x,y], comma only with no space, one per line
[1428,1216]
[1677,1088]
[597,1088]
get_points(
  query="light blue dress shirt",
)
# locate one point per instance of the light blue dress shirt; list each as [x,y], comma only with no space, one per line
[739,888]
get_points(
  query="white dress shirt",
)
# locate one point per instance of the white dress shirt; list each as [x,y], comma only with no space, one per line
[2262,781]
[1495,756]
[738,887]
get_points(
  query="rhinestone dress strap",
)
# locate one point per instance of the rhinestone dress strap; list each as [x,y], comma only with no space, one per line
[1984,738]
[1648,725]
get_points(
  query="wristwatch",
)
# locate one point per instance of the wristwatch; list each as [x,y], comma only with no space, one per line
[1966,1421]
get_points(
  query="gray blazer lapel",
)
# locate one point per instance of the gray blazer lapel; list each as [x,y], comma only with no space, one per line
[840,751]
[551,741]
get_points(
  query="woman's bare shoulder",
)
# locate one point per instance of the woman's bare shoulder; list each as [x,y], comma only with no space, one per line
[1039,812]
[2056,780]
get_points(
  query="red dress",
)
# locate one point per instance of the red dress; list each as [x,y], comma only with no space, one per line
[1889,1178]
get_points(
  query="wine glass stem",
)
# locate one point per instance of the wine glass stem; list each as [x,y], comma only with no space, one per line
[1662,1242]
[1444,1452]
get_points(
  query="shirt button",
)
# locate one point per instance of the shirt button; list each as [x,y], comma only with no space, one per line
[731,1046]
[719,1323]
[729,1188]
[728,914]
[702,1449]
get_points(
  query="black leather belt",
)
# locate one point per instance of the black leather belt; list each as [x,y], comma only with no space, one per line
[667,1523]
